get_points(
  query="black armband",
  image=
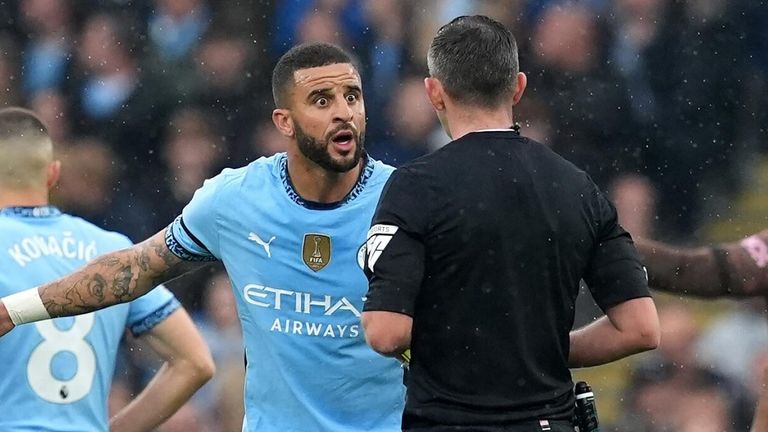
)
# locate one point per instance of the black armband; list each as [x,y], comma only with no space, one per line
[721,263]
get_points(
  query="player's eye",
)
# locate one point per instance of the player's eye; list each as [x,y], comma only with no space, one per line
[351,98]
[321,101]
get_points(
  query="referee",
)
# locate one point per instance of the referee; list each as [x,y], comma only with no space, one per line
[476,252]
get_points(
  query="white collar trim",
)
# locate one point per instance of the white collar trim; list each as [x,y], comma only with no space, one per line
[494,130]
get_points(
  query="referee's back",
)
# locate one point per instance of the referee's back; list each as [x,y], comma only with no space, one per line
[509,229]
[514,226]
[476,253]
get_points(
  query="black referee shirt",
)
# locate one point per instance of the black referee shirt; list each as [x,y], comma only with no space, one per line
[483,243]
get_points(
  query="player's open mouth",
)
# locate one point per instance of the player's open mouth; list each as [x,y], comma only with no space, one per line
[344,139]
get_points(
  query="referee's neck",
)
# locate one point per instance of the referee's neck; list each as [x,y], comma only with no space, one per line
[461,119]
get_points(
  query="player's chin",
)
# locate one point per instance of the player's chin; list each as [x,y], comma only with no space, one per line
[344,161]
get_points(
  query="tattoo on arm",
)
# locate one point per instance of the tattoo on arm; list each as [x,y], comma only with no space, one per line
[117,277]
[97,286]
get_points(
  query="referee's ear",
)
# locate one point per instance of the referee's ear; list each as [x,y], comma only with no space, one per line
[520,83]
[435,93]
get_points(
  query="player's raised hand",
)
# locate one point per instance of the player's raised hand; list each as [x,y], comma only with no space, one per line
[6,324]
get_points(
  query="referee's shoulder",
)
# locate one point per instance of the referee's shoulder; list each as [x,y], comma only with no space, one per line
[555,160]
[417,169]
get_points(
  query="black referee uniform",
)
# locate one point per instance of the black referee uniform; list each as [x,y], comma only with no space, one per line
[483,243]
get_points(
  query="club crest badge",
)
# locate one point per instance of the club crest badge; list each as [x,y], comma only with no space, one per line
[316,251]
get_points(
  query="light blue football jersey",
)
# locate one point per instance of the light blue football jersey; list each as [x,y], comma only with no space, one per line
[56,374]
[294,267]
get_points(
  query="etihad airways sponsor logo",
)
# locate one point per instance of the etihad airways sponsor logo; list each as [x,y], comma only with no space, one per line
[297,301]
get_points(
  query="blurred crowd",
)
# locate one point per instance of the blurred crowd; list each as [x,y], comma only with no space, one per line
[662,102]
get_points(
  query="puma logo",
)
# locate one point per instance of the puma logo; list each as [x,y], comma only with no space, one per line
[255,237]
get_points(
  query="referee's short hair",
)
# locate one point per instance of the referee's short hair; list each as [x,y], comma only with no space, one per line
[475,58]
[304,56]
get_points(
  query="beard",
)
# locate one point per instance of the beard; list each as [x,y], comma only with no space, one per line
[317,150]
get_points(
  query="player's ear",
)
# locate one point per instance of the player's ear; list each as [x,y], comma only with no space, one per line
[53,173]
[520,83]
[283,121]
[435,93]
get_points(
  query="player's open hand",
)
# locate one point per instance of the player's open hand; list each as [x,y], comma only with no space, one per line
[6,324]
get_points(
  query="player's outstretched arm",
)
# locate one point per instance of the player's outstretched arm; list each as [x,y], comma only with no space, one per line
[188,365]
[735,269]
[628,328]
[117,277]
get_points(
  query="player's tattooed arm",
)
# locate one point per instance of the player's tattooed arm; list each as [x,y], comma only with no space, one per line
[117,277]
[738,269]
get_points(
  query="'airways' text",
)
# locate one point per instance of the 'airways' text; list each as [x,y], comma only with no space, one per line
[314,329]
[65,246]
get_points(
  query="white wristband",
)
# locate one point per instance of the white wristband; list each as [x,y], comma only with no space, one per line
[25,307]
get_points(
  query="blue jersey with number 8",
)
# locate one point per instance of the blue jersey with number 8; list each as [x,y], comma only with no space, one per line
[56,374]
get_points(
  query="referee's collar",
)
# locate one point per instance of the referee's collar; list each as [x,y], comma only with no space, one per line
[515,128]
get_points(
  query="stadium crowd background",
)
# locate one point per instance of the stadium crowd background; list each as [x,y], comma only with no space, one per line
[663,102]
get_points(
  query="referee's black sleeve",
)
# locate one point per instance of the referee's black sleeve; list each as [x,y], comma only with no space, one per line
[394,262]
[615,273]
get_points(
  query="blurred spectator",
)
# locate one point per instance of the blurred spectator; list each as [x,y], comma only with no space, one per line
[412,124]
[113,101]
[53,110]
[587,100]
[735,343]
[88,188]
[689,114]
[47,52]
[220,326]
[662,403]
[343,18]
[192,151]
[111,73]
[321,26]
[175,29]
[177,26]
[386,55]
[227,86]
[589,108]
[266,140]
[534,115]
[670,390]
[10,94]
[635,199]
[228,409]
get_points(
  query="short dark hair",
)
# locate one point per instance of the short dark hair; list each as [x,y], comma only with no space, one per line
[19,122]
[304,56]
[475,58]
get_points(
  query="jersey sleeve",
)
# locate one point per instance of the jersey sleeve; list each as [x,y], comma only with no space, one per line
[193,236]
[394,259]
[615,273]
[150,310]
